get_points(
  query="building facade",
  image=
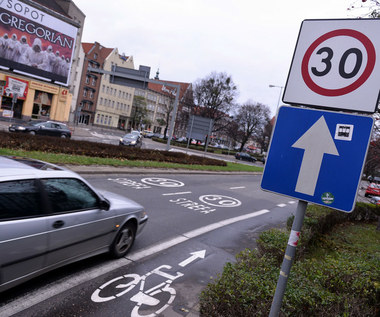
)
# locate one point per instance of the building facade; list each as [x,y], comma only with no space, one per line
[114,102]
[36,63]
[95,55]
[160,99]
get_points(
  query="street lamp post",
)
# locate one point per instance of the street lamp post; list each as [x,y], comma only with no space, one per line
[279,96]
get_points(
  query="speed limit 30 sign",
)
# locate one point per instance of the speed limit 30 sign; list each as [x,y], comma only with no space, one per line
[336,65]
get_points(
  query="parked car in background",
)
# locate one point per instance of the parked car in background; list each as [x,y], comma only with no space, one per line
[147,134]
[50,128]
[158,135]
[131,140]
[182,139]
[245,157]
[373,189]
[50,217]
[375,200]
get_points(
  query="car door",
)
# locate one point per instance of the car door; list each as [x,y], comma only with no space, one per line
[49,129]
[78,225]
[23,231]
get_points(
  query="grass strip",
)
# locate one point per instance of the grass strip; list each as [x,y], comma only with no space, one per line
[63,159]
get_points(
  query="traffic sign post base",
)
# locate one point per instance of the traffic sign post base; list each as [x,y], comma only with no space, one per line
[288,258]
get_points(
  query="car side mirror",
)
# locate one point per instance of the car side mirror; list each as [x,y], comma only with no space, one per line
[104,205]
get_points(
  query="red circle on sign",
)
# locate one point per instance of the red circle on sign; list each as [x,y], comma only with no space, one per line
[371,59]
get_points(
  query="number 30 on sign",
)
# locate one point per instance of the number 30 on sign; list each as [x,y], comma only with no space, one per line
[336,65]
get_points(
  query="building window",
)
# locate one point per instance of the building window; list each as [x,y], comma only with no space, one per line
[101,101]
[108,90]
[101,119]
[91,94]
[103,88]
[109,120]
[93,81]
[87,79]
[113,103]
[84,92]
[117,105]
[95,56]
[97,118]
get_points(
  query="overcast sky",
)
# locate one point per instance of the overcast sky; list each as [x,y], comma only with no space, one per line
[251,40]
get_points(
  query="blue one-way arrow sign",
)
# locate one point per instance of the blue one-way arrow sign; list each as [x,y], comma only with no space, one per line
[317,156]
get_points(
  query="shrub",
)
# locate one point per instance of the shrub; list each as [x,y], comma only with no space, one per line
[337,275]
[28,142]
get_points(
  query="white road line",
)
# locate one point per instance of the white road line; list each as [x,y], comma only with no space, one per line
[281,205]
[65,284]
[241,187]
[292,202]
[179,193]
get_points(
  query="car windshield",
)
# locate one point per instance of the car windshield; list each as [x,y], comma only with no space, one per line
[130,136]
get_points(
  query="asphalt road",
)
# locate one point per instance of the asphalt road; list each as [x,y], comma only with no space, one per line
[197,224]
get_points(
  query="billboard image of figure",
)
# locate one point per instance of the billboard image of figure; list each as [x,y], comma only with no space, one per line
[35,42]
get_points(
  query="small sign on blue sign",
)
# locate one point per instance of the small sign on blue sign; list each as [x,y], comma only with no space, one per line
[317,156]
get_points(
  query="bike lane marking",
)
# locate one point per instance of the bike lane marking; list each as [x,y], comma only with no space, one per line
[146,296]
[58,287]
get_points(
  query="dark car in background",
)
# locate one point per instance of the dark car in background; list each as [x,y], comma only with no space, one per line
[131,140]
[51,217]
[245,157]
[49,128]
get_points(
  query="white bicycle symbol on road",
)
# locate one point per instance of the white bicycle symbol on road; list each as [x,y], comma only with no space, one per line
[145,298]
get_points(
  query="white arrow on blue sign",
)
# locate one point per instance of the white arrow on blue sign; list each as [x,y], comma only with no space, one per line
[317,156]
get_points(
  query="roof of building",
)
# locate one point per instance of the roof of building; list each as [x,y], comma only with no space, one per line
[168,90]
[52,5]
[104,52]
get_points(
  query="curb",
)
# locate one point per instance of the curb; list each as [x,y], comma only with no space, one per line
[99,169]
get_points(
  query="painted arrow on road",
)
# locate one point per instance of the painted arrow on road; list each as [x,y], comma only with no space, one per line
[317,141]
[194,256]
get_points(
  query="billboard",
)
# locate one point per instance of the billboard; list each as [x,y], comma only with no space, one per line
[34,42]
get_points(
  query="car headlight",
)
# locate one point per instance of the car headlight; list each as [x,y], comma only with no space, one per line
[121,140]
[133,142]
[21,128]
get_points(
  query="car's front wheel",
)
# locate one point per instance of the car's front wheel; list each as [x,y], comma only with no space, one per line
[63,136]
[32,132]
[123,241]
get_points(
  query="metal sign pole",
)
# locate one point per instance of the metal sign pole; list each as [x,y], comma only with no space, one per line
[191,131]
[288,258]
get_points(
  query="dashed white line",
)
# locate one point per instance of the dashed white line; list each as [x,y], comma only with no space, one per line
[292,202]
[281,205]
[178,193]
[240,187]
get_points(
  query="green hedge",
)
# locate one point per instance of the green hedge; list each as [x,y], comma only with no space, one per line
[26,142]
[336,271]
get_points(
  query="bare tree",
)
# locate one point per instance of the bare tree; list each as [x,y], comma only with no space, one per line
[214,97]
[263,137]
[168,109]
[252,118]
[371,8]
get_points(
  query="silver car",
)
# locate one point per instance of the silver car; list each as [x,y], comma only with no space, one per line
[50,216]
